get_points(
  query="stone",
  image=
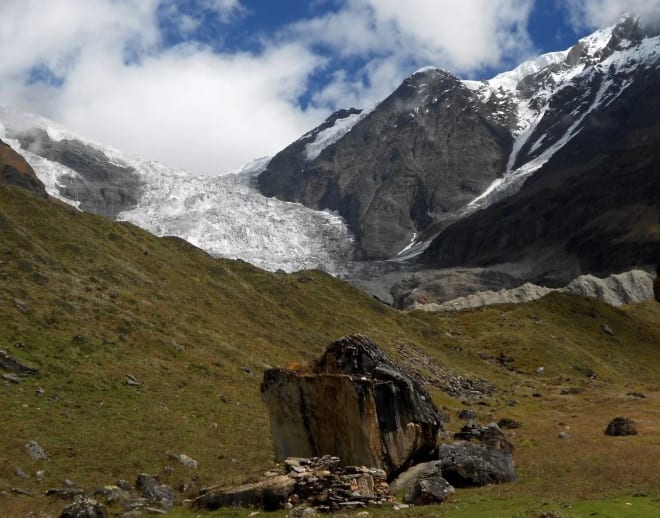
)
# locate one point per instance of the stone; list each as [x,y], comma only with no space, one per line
[35,451]
[620,426]
[656,284]
[508,424]
[11,364]
[388,420]
[113,494]
[186,461]
[464,465]
[430,490]
[155,492]
[607,330]
[20,473]
[270,494]
[84,507]
[467,415]
[65,493]
[564,435]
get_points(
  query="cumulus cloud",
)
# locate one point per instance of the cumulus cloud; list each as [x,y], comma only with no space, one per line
[105,69]
[393,38]
[600,13]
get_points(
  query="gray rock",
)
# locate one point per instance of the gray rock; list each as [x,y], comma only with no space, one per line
[564,435]
[430,490]
[11,364]
[607,330]
[35,451]
[20,473]
[84,507]
[466,464]
[467,415]
[620,426]
[153,491]
[186,461]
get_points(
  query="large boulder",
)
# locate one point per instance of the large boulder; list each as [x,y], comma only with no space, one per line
[620,426]
[386,418]
[483,456]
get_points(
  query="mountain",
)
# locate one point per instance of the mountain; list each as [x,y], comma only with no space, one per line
[584,183]
[225,214]
[568,141]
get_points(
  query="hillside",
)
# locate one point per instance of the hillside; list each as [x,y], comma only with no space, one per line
[88,302]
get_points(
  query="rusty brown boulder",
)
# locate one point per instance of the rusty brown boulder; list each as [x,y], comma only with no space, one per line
[355,404]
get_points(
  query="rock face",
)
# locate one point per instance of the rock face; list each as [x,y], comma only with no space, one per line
[387,418]
[583,210]
[102,187]
[620,426]
[624,288]
[424,152]
[14,170]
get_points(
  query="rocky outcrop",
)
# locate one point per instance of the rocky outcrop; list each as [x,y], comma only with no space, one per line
[387,418]
[14,170]
[625,288]
[100,185]
[422,154]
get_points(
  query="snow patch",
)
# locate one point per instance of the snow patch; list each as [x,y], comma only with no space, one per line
[331,135]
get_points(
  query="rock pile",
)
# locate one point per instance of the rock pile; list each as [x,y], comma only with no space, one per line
[321,483]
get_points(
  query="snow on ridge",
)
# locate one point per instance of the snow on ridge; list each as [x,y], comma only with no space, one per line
[331,135]
[510,80]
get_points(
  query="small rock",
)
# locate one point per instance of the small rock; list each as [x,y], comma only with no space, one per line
[186,461]
[540,370]
[429,491]
[124,484]
[536,394]
[508,424]
[84,507]
[398,507]
[39,391]
[11,378]
[21,491]
[607,330]
[40,474]
[20,473]
[66,493]
[35,451]
[467,415]
[155,492]
[620,426]
[68,483]
[132,381]
[564,435]
[22,306]
[638,395]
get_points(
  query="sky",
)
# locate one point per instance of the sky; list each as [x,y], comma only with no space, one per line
[208,85]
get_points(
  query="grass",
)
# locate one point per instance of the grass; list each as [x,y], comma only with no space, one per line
[92,301]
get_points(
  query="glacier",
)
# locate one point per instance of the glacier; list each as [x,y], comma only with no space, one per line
[225,215]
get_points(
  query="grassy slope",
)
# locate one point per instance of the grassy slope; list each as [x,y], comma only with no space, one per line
[106,300]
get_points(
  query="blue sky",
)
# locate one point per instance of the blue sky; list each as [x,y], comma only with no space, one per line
[208,85]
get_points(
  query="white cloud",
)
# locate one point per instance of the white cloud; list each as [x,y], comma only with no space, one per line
[600,13]
[207,111]
[396,37]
